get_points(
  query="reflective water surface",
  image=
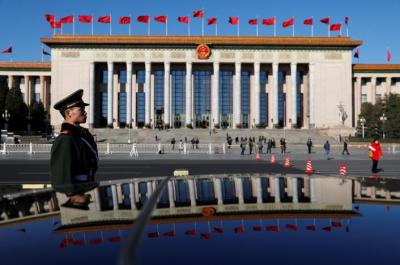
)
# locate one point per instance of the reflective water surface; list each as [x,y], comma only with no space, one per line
[218,219]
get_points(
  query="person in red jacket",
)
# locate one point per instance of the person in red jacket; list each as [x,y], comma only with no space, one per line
[375,152]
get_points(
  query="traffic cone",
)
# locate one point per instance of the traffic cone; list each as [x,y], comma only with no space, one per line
[287,163]
[258,157]
[309,169]
[273,159]
[343,171]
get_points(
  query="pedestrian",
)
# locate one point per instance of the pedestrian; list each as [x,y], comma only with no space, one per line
[283,145]
[229,142]
[156,138]
[173,143]
[273,142]
[74,157]
[236,140]
[251,145]
[197,142]
[375,152]
[269,146]
[309,145]
[327,148]
[192,142]
[185,140]
[345,149]
[242,146]
[260,146]
[180,146]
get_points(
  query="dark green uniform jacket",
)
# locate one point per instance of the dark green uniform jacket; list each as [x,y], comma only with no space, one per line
[73,161]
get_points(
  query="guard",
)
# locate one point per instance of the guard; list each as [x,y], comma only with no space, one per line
[74,156]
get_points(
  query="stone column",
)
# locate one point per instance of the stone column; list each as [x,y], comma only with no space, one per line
[217,190]
[373,90]
[239,189]
[167,93]
[277,190]
[171,196]
[237,110]
[149,188]
[312,95]
[293,69]
[357,189]
[312,189]
[10,81]
[188,109]
[129,94]
[357,99]
[97,199]
[110,94]
[27,90]
[134,94]
[275,67]
[306,110]
[147,93]
[192,192]
[114,197]
[259,190]
[295,190]
[91,94]
[132,196]
[388,84]
[256,93]
[215,96]
[42,89]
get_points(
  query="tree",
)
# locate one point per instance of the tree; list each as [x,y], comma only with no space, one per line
[17,109]
[3,95]
[38,116]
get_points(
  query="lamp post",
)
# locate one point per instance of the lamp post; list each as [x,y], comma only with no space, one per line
[362,122]
[383,118]
[6,117]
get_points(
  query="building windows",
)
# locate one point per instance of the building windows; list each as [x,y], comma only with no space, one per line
[263,109]
[140,77]
[122,76]
[263,78]
[104,109]
[225,97]
[22,80]
[37,80]
[37,97]
[140,114]
[363,98]
[104,77]
[202,97]
[281,78]
[245,98]
[281,108]
[122,109]
[159,97]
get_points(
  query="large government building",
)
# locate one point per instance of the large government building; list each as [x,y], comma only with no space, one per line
[206,82]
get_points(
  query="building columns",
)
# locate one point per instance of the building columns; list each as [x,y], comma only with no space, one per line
[129,94]
[192,192]
[110,94]
[259,190]
[277,190]
[147,93]
[217,190]
[256,103]
[167,93]
[215,96]
[312,189]
[275,106]
[373,90]
[388,85]
[26,90]
[295,188]
[132,196]
[312,95]
[239,189]
[237,110]
[293,70]
[10,81]
[357,99]
[188,109]
[91,95]
[171,196]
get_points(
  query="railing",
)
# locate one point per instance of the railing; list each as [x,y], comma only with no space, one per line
[131,149]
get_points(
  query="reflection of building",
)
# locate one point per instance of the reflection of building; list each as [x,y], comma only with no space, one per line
[246,81]
[370,190]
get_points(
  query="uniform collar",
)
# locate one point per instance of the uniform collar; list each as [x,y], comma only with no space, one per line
[74,130]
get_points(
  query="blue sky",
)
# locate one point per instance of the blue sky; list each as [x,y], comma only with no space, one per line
[374,22]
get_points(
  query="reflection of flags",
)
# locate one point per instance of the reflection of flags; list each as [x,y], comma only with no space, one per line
[205,235]
[218,230]
[239,230]
[183,19]
[114,239]
[85,19]
[288,23]
[171,233]
[273,228]
[291,227]
[153,235]
[44,52]
[78,242]
[96,241]
[336,224]
[327,228]
[257,228]
[191,232]
[198,13]
[311,227]
[8,50]
[161,19]
[234,20]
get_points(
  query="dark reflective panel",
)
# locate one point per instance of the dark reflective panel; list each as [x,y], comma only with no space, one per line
[218,219]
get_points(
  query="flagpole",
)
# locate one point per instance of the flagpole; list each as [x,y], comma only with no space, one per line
[61,28]
[166,27]
[274,26]
[237,28]
[92,23]
[347,29]
[312,27]
[257,27]
[216,29]
[202,23]
[189,27]
[293,26]
[329,32]
[73,25]
[110,24]
[148,28]
[130,21]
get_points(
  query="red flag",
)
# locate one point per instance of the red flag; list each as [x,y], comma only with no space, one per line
[308,21]
[269,21]
[171,233]
[218,230]
[239,230]
[346,20]
[273,228]
[114,239]
[85,19]
[55,25]
[311,227]
[253,21]
[198,13]
[336,224]
[105,19]
[388,56]
[161,19]
[125,20]
[68,19]
[335,27]
[44,52]
[205,235]
[183,19]
[143,19]
[327,228]
[191,232]
[234,20]
[326,20]
[212,20]
[8,50]
[50,18]
[257,228]
[153,235]
[288,23]
[291,227]
[357,54]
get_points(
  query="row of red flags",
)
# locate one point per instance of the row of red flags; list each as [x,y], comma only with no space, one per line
[10,50]
[186,19]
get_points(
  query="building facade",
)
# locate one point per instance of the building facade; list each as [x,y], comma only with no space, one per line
[211,82]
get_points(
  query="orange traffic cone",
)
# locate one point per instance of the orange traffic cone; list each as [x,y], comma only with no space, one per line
[273,159]
[309,169]
[258,157]
[287,163]
[343,171]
